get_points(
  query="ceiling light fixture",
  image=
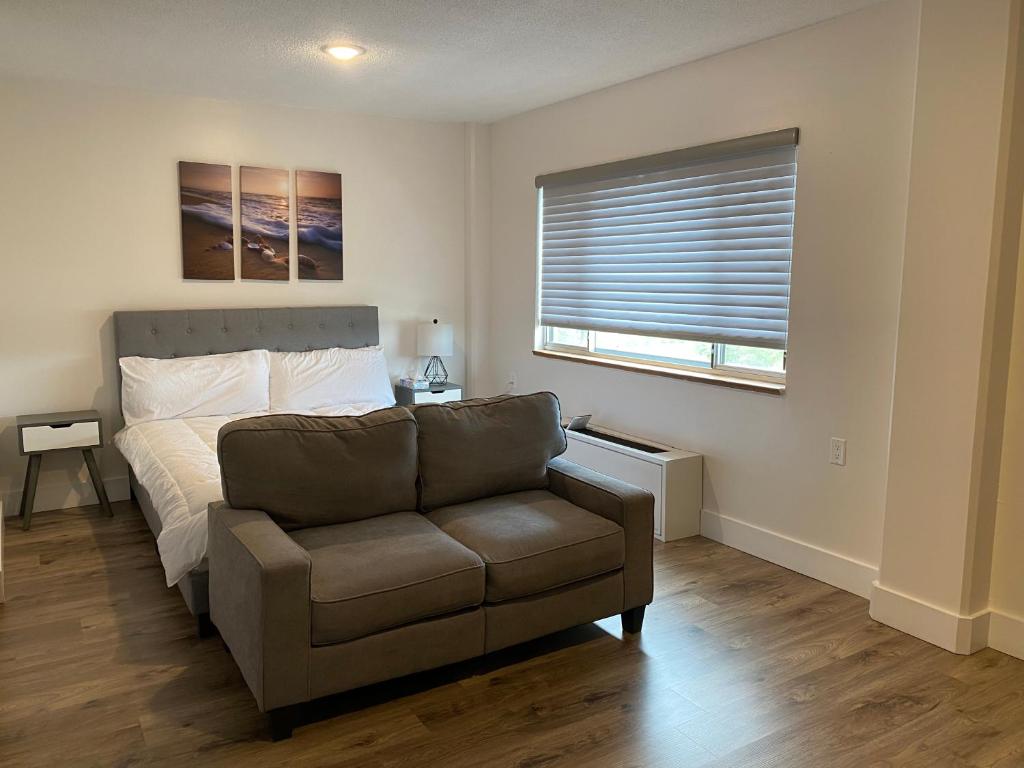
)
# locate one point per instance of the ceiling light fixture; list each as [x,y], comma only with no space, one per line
[344,52]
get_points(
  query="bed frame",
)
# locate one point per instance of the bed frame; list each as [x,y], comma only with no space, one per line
[193,332]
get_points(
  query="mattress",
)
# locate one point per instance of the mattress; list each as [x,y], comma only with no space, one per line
[175,460]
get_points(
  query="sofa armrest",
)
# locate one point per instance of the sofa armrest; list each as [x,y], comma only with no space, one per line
[259,601]
[629,506]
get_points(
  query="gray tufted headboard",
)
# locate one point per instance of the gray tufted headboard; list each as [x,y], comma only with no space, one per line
[191,332]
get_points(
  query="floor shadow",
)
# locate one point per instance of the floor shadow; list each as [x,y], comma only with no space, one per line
[420,682]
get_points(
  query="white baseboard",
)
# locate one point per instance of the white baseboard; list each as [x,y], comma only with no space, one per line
[821,564]
[1006,633]
[955,632]
[61,495]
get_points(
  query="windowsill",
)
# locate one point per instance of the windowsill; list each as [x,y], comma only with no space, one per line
[706,377]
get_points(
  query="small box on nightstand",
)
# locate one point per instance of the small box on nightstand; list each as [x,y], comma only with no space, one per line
[436,393]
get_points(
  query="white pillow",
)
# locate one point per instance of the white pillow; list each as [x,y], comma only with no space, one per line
[210,385]
[326,378]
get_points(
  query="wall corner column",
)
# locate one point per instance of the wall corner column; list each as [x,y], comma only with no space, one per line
[956,309]
[478,258]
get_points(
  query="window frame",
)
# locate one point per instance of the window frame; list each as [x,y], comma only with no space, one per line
[712,370]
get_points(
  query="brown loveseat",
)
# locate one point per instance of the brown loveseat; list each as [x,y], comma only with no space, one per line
[351,550]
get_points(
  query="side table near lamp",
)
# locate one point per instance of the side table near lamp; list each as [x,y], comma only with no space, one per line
[434,340]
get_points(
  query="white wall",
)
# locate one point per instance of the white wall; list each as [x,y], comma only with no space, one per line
[1006,597]
[478,256]
[88,191]
[848,84]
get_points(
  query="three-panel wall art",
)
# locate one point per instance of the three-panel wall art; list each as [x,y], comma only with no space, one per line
[264,196]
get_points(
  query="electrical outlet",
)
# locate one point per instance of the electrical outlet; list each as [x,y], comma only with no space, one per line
[837,452]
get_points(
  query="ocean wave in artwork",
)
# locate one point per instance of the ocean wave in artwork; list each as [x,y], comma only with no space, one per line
[211,207]
[328,237]
[265,215]
[319,222]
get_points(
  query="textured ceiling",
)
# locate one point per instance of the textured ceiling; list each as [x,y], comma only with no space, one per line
[473,60]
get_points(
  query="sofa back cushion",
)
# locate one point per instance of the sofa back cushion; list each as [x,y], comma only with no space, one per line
[305,471]
[477,448]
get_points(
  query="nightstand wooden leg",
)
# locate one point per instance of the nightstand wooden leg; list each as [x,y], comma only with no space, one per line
[97,481]
[28,493]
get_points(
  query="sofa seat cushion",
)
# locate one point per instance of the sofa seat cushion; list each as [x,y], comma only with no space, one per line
[375,574]
[533,541]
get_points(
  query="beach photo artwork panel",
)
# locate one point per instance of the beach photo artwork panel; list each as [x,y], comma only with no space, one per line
[265,206]
[207,221]
[318,223]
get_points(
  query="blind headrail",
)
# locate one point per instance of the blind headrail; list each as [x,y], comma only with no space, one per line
[787,137]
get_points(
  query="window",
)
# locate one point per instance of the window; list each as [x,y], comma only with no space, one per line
[731,359]
[678,261]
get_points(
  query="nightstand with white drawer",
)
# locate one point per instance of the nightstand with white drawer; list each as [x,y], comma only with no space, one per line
[436,393]
[67,431]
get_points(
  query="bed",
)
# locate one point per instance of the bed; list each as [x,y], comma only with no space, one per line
[174,473]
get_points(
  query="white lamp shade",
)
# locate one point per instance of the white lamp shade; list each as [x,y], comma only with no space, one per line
[434,339]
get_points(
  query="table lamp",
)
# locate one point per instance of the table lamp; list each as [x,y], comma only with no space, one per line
[435,340]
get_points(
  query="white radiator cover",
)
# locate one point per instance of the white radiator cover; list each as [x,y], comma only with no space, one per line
[674,476]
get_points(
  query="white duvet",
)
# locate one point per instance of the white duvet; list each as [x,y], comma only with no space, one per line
[175,460]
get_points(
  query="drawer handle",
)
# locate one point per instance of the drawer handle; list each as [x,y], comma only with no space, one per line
[60,426]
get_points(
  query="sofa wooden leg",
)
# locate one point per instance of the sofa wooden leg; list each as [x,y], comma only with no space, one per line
[204,626]
[282,721]
[633,619]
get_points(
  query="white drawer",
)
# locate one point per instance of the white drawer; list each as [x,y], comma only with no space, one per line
[81,434]
[447,396]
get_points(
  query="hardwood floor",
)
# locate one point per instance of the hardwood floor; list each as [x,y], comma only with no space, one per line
[740,663]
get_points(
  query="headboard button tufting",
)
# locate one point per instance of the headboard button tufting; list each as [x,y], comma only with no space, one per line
[351,324]
[153,331]
[188,331]
[322,326]
[223,330]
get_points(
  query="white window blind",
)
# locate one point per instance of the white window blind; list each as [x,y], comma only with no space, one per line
[694,244]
